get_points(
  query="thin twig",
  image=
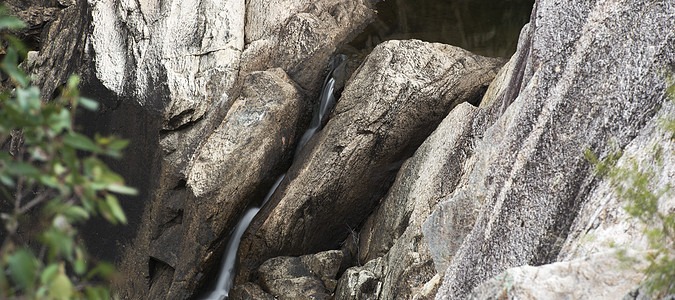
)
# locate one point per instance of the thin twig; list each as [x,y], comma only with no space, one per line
[37,200]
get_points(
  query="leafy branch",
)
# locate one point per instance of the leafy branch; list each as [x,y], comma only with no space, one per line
[51,179]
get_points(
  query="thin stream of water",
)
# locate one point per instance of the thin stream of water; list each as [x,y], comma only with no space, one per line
[326,102]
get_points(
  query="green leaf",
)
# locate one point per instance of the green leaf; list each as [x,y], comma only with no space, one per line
[73,81]
[6,180]
[115,208]
[105,211]
[49,272]
[80,264]
[61,287]
[60,243]
[88,104]
[22,268]
[24,169]
[80,141]
[76,214]
[12,23]
[97,293]
[59,121]
[50,181]
[122,189]
[118,144]
[18,45]
[10,66]
[103,270]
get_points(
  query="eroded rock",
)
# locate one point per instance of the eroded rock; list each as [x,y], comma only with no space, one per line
[399,95]
[301,37]
[189,62]
[363,283]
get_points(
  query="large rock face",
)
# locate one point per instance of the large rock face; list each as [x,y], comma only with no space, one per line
[589,76]
[215,94]
[168,74]
[589,264]
[231,169]
[397,97]
[399,263]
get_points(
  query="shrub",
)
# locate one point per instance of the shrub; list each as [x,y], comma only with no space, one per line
[51,179]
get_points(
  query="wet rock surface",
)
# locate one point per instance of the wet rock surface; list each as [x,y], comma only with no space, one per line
[249,291]
[398,96]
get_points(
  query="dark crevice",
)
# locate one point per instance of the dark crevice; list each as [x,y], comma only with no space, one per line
[179,122]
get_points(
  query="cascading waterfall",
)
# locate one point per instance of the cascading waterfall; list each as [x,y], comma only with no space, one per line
[326,102]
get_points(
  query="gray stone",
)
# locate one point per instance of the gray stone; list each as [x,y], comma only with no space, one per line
[400,94]
[603,224]
[394,230]
[302,36]
[302,277]
[600,276]
[189,61]
[249,291]
[325,264]
[362,283]
[590,78]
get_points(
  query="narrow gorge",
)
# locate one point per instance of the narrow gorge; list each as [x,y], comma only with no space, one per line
[343,149]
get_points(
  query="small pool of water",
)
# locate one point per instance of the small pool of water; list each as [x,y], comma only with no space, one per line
[485,27]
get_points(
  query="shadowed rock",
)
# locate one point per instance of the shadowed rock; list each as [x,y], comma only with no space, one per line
[399,95]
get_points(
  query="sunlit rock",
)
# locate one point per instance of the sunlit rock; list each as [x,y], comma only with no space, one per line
[589,78]
[400,94]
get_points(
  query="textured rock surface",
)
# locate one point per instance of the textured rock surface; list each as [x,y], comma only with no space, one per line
[600,276]
[167,73]
[603,224]
[188,61]
[361,282]
[392,235]
[249,291]
[300,36]
[249,146]
[399,95]
[306,277]
[591,78]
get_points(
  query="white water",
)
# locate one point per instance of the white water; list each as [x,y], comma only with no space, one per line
[327,100]
[227,271]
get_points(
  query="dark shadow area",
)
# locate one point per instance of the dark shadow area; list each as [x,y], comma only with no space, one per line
[484,27]
[126,119]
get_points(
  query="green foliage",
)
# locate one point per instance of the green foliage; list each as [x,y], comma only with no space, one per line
[51,179]
[633,185]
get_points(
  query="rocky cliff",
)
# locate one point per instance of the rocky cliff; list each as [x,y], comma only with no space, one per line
[439,173]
